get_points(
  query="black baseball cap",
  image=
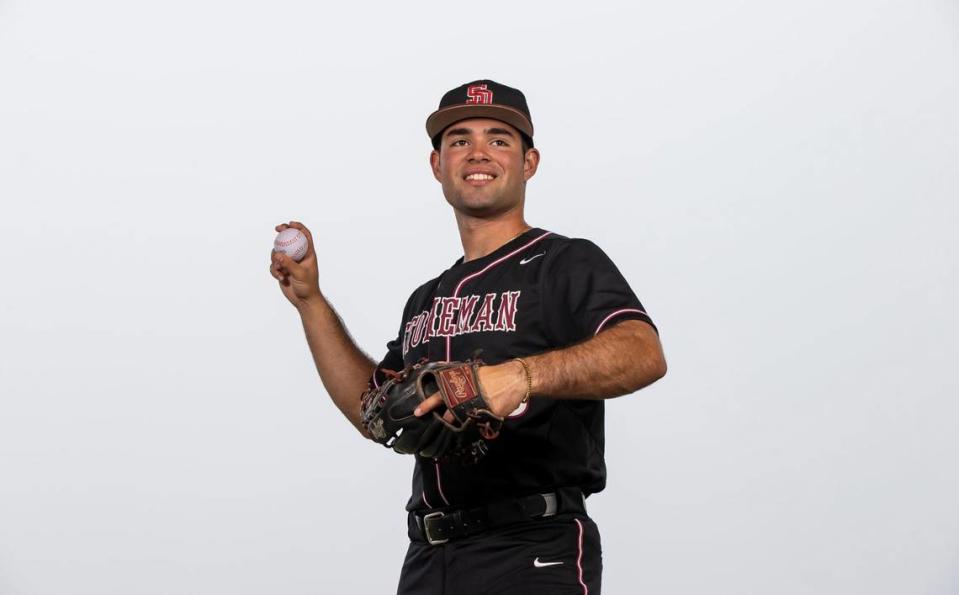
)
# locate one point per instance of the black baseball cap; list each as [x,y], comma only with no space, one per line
[481,99]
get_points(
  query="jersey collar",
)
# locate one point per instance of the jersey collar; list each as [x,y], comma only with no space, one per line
[499,252]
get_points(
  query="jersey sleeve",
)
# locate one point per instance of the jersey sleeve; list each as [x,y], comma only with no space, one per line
[393,360]
[584,293]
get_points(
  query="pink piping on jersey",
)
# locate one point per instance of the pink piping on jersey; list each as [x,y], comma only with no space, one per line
[617,313]
[579,558]
[459,286]
[439,484]
[375,383]
[425,501]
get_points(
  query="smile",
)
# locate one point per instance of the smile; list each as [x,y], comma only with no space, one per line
[480,177]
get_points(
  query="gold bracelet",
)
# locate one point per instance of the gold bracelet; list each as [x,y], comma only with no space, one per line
[529,378]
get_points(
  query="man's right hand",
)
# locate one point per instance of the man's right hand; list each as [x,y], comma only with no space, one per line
[299,281]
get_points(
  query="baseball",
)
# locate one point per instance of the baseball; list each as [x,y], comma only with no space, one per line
[291,242]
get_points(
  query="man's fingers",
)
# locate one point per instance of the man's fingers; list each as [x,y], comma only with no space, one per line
[428,405]
[277,274]
[276,262]
[288,268]
[286,264]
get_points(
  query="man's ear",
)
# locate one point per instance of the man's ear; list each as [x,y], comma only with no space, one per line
[435,164]
[530,163]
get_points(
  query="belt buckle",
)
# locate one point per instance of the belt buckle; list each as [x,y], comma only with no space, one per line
[552,505]
[426,527]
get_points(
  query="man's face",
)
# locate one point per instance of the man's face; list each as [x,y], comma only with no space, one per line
[482,166]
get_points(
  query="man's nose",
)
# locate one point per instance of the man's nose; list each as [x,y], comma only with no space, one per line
[478,153]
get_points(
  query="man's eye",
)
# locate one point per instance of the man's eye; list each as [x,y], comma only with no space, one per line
[458,143]
[500,143]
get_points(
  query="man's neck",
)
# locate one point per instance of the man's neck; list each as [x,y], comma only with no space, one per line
[484,236]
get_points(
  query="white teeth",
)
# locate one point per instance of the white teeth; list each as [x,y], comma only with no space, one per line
[479,177]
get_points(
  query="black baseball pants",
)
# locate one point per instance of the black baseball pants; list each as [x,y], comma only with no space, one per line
[559,555]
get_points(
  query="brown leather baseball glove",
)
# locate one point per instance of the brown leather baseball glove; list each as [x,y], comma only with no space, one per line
[456,431]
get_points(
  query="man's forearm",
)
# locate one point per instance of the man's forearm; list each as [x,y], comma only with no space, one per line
[618,361]
[344,369]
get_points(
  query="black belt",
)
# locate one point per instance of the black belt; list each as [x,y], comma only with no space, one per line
[438,526]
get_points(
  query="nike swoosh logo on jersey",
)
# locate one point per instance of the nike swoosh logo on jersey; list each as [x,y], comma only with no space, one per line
[525,260]
[539,564]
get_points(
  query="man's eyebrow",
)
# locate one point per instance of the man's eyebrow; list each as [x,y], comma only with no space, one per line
[501,131]
[459,132]
[467,132]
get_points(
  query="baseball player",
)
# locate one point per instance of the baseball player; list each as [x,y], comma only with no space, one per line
[559,331]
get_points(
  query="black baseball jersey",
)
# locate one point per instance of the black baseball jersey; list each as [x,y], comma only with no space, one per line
[540,291]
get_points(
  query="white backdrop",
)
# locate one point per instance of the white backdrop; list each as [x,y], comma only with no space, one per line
[778,181]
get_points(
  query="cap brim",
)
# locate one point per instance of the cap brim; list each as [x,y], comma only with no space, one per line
[442,118]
